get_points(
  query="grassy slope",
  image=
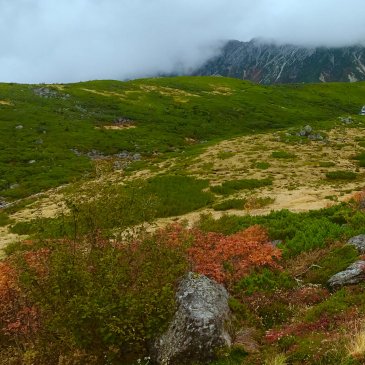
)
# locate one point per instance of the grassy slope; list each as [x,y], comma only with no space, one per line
[167,112]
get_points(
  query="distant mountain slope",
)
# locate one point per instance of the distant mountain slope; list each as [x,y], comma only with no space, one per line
[52,134]
[270,63]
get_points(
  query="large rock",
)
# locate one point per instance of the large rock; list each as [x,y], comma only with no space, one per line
[354,274]
[358,242]
[199,327]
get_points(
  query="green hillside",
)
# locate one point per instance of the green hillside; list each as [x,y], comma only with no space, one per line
[257,187]
[48,130]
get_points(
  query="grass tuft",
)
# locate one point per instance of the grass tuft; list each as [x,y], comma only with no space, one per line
[356,345]
[279,359]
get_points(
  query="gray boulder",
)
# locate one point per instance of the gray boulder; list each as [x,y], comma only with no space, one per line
[199,326]
[306,131]
[358,242]
[354,274]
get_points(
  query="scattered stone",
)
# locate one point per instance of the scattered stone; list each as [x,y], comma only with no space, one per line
[46,92]
[358,242]
[125,156]
[14,186]
[32,162]
[354,274]
[345,120]
[125,122]
[80,108]
[198,328]
[315,137]
[306,131]
[19,127]
[76,152]
[95,155]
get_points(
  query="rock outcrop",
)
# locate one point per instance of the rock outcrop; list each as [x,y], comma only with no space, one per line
[354,274]
[358,242]
[269,63]
[199,326]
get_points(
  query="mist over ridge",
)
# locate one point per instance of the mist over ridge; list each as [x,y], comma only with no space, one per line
[69,41]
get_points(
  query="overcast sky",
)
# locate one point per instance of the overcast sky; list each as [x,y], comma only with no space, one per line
[73,40]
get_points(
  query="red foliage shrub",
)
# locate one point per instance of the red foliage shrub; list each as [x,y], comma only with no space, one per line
[299,329]
[324,324]
[38,261]
[308,295]
[223,258]
[228,258]
[18,317]
[358,200]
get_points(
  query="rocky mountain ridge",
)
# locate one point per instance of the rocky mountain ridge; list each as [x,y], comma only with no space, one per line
[268,63]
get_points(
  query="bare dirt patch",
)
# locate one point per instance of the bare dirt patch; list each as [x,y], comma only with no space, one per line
[219,90]
[6,238]
[48,207]
[105,93]
[116,127]
[299,183]
[177,94]
[6,102]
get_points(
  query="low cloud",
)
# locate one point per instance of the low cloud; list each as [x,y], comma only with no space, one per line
[74,40]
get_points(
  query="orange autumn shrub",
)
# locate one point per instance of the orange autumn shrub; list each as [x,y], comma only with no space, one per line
[358,199]
[223,258]
[18,318]
[228,258]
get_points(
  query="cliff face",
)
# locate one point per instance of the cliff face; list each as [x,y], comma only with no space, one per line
[267,63]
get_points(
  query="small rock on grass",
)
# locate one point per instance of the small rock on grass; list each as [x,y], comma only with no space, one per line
[354,274]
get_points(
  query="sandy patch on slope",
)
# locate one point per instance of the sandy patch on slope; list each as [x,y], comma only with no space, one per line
[298,184]
[116,127]
[6,102]
[6,238]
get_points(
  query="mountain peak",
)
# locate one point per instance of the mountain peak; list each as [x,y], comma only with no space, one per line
[264,61]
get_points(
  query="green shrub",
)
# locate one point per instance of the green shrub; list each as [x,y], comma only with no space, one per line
[176,195]
[314,233]
[234,357]
[223,155]
[341,175]
[265,281]
[257,202]
[335,261]
[114,208]
[230,204]
[299,231]
[274,313]
[232,186]
[262,165]
[4,219]
[24,228]
[283,155]
[227,224]
[317,349]
[108,301]
[326,164]
[337,303]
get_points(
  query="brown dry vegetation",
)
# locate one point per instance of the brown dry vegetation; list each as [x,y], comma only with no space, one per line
[299,184]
